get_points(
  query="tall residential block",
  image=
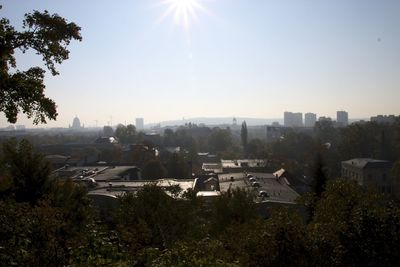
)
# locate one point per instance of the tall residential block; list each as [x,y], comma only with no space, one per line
[384,119]
[342,118]
[291,119]
[310,119]
[139,124]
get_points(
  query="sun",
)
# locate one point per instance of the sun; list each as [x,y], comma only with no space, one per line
[184,12]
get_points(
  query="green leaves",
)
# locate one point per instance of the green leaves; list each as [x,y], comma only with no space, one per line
[153,170]
[29,171]
[243,136]
[25,91]
[49,35]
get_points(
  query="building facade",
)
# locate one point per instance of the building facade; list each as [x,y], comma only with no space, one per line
[293,119]
[139,124]
[371,173]
[384,119]
[342,118]
[76,124]
[310,119]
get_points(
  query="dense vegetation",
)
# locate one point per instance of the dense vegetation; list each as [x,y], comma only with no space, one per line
[48,35]
[56,225]
[296,150]
[48,222]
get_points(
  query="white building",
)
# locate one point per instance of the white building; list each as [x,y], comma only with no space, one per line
[371,173]
[139,124]
[342,118]
[385,119]
[291,119]
[310,119]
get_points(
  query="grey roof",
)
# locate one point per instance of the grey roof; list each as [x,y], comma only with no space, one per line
[119,188]
[278,189]
[279,173]
[368,163]
[111,173]
[252,163]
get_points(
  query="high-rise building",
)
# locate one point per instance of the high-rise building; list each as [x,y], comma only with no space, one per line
[310,119]
[139,124]
[323,118]
[291,119]
[287,118]
[384,119]
[342,118]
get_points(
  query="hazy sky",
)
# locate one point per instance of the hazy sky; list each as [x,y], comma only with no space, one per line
[243,58]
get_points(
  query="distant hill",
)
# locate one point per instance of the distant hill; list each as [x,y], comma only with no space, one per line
[226,120]
[216,121]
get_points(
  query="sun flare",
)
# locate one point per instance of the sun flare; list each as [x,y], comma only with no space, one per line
[184,12]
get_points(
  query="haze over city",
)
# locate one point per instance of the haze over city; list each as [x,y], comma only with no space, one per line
[199,133]
[222,58]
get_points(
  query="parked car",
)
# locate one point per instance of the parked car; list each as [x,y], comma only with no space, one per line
[252,180]
[263,194]
[255,184]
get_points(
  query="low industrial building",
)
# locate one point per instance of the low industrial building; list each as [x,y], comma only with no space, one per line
[239,165]
[99,173]
[105,194]
[370,173]
[277,189]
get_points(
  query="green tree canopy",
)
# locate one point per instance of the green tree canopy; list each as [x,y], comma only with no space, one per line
[125,134]
[178,167]
[354,227]
[244,136]
[108,131]
[220,140]
[28,171]
[47,34]
[153,170]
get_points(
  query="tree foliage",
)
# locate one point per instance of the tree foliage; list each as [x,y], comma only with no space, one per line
[153,170]
[244,136]
[27,170]
[354,227]
[108,131]
[178,167]
[155,226]
[126,134]
[220,140]
[48,35]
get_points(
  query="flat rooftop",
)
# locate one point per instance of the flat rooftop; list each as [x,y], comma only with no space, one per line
[240,163]
[98,173]
[277,189]
[118,188]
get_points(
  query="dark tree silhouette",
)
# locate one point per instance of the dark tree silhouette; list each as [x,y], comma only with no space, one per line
[177,167]
[108,131]
[28,170]
[244,136]
[49,35]
[153,170]
[319,177]
[318,185]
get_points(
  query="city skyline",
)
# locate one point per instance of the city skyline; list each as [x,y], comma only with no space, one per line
[226,59]
[307,119]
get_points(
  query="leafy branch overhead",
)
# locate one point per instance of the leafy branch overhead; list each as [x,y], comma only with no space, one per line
[49,35]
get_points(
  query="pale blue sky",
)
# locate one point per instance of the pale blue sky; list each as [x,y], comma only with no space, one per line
[241,58]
